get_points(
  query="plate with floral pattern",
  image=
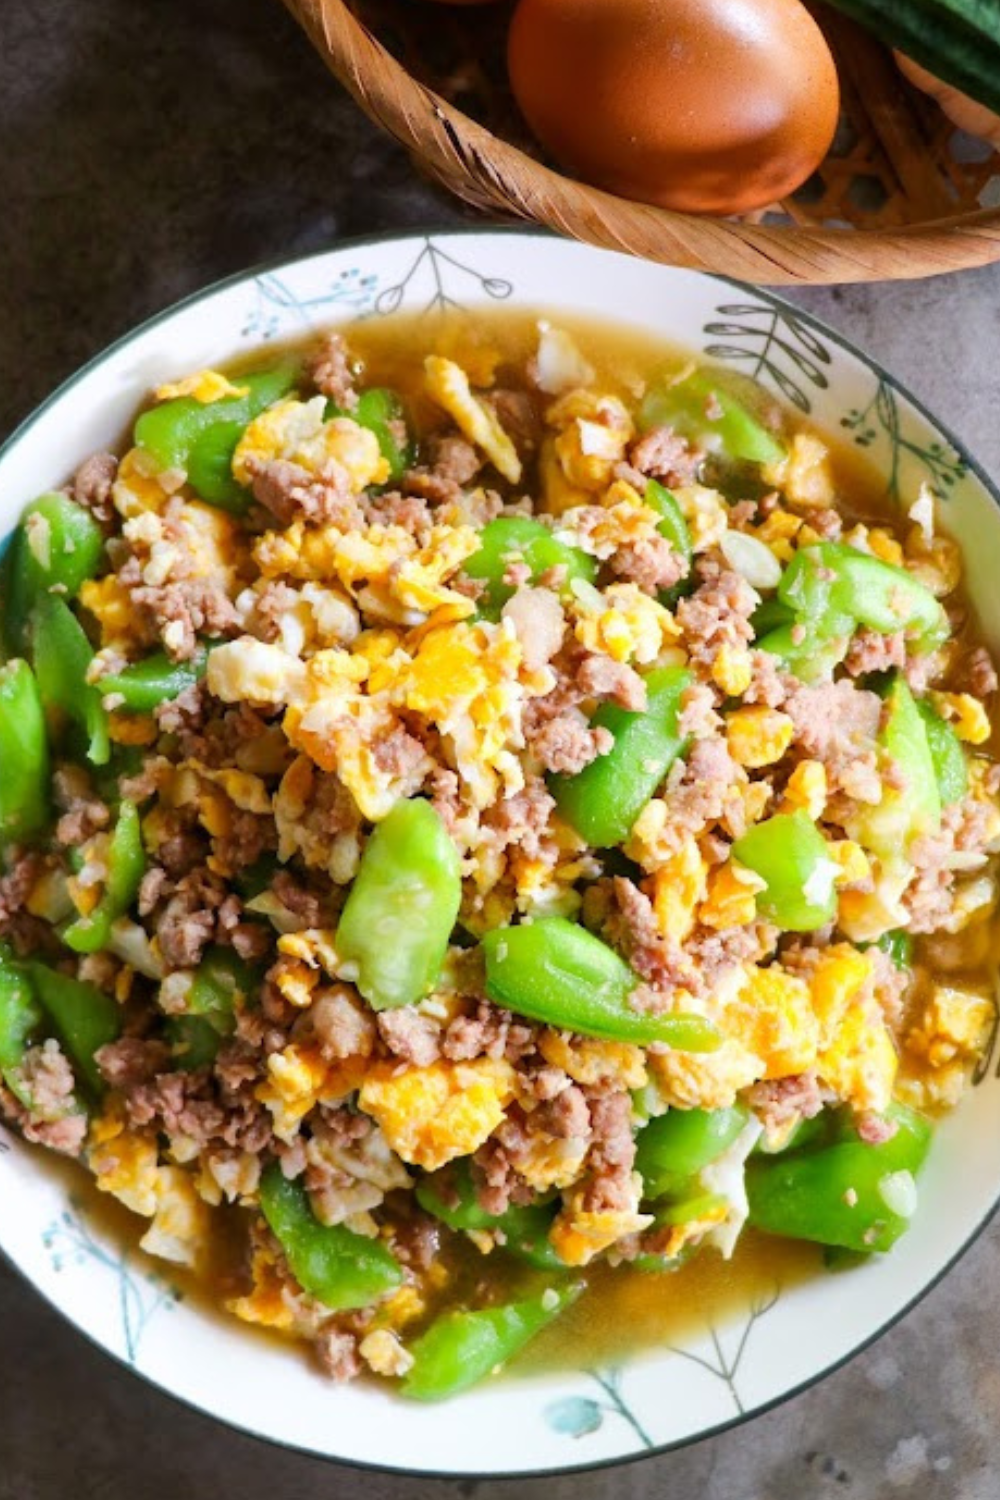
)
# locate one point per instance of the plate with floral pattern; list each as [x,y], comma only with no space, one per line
[725,1369]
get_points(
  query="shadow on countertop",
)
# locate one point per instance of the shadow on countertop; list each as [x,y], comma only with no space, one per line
[149,147]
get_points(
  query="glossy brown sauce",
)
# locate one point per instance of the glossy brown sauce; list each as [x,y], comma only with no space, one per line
[623,1310]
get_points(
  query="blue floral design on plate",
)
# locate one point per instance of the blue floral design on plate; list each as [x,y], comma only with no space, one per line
[278,309]
[435,282]
[774,347]
[141,1293]
[579,1416]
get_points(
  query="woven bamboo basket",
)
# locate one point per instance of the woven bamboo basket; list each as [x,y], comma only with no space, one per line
[902,194]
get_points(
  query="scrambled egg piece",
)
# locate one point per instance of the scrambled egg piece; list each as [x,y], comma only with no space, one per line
[243,790]
[940,1051]
[205,386]
[857,1058]
[196,541]
[405,1306]
[329,717]
[252,671]
[181,1224]
[855,866]
[552,1163]
[140,485]
[431,1115]
[593,1062]
[448,385]
[267,1304]
[772,1016]
[650,843]
[132,728]
[315,947]
[861,1064]
[546,890]
[805,473]
[758,736]
[704,1080]
[838,979]
[384,1354]
[296,980]
[299,433]
[778,531]
[732,897]
[937,563]
[876,540]
[578,1234]
[384,568]
[679,886]
[806,790]
[299,1079]
[126,1164]
[593,436]
[732,670]
[394,578]
[601,530]
[769,1030]
[706,514]
[347,738]
[967,716]
[627,625]
[315,617]
[557,494]
[110,603]
[468,681]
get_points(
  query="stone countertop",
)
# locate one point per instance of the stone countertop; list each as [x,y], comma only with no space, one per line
[145,150]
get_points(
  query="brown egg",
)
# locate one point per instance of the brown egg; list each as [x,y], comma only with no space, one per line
[709,106]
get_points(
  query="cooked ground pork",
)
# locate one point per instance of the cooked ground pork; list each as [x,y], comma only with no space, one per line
[650,562]
[781,1103]
[413,1038]
[665,455]
[350,662]
[837,724]
[980,675]
[518,415]
[567,743]
[82,812]
[871,651]
[566,1115]
[718,613]
[331,374]
[600,677]
[290,493]
[697,789]
[92,484]
[178,613]
[612,1155]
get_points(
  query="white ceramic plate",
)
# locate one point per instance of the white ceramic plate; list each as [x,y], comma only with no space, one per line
[582,1417]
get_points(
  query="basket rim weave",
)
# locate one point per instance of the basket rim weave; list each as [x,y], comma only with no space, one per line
[490,172]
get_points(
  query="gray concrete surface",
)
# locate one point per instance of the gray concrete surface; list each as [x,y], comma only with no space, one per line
[146,148]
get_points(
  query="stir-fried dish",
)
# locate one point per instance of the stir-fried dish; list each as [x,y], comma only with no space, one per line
[528,819]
